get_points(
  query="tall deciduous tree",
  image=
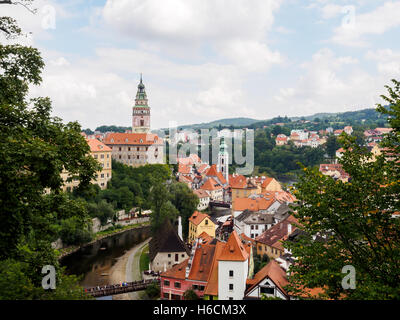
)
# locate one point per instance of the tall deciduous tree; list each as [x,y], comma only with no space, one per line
[34,149]
[356,221]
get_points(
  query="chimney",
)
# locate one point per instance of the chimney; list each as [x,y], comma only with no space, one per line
[289,228]
[180,227]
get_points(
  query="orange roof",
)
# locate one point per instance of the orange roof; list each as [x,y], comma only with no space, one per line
[202,262]
[97,146]
[234,249]
[266,182]
[197,217]
[237,182]
[184,169]
[212,172]
[272,271]
[132,139]
[211,184]
[201,193]
[212,281]
[205,237]
[178,271]
[202,167]
[257,204]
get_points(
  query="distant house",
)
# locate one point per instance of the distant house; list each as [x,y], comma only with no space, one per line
[348,130]
[166,248]
[241,187]
[281,140]
[204,199]
[214,189]
[270,184]
[269,281]
[214,270]
[198,223]
[270,241]
[252,224]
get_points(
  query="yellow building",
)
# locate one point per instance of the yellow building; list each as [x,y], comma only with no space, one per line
[199,223]
[241,187]
[102,154]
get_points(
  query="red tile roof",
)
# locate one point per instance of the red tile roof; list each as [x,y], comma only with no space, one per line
[212,281]
[201,193]
[197,217]
[178,271]
[257,204]
[202,262]
[212,172]
[184,169]
[277,232]
[132,139]
[211,184]
[274,272]
[97,146]
[234,249]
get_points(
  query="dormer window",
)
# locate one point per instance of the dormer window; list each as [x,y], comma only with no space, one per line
[112,140]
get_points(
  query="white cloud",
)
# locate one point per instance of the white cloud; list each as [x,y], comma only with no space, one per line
[376,22]
[330,83]
[388,62]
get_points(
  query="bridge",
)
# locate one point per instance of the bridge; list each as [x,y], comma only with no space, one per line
[109,290]
[222,204]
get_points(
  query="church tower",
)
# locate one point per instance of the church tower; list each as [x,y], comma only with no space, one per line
[223,159]
[141,111]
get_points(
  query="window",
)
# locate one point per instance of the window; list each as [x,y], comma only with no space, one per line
[231,287]
[129,148]
[230,298]
[108,156]
[177,284]
[176,257]
[252,227]
[95,156]
[119,148]
[102,156]
[183,255]
[102,175]
[206,222]
[169,255]
[267,290]
[137,149]
[231,273]
[166,283]
[119,156]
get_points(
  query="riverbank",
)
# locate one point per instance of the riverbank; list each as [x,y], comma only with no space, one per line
[127,269]
[100,236]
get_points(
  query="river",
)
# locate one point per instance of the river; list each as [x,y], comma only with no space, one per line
[94,261]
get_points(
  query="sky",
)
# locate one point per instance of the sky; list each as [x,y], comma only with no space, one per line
[204,60]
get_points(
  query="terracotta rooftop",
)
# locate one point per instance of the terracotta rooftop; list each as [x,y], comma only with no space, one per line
[132,139]
[201,193]
[277,232]
[202,262]
[211,184]
[234,249]
[212,281]
[257,204]
[274,272]
[184,169]
[97,146]
[197,217]
[178,271]
[212,172]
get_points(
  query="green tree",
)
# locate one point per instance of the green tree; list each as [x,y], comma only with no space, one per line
[34,149]
[185,201]
[355,221]
[331,146]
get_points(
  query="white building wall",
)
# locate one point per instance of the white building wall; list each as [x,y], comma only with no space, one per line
[240,269]
[255,293]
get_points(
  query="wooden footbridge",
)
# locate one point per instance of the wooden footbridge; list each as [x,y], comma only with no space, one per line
[109,290]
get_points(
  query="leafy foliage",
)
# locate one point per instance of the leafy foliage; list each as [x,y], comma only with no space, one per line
[355,221]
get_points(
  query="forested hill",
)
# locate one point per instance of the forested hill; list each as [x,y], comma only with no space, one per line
[362,117]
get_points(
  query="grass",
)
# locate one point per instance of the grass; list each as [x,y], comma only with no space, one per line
[144,259]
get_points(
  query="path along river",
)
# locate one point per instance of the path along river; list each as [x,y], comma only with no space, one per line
[111,260]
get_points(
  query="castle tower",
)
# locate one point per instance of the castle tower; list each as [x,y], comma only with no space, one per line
[141,111]
[223,159]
